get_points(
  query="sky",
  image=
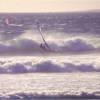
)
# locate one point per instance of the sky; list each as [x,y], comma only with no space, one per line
[48,5]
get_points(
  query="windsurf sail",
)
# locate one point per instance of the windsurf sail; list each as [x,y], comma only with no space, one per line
[40,31]
[8,23]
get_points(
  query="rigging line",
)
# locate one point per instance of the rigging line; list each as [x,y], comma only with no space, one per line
[43,37]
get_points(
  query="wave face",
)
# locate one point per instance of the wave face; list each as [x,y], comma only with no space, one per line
[47,67]
[22,96]
[49,64]
[28,46]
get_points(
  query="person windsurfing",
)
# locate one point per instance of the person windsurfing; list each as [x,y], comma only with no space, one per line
[44,46]
[7,22]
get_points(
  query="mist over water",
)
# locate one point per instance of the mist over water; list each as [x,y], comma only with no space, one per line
[73,55]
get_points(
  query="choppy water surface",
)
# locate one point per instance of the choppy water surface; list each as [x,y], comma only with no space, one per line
[50,84]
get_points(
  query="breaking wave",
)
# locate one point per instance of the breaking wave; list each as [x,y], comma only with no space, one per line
[28,96]
[28,46]
[46,66]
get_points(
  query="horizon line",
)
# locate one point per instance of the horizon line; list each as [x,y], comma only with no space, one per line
[94,10]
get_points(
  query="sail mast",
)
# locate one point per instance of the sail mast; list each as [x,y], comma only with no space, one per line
[39,28]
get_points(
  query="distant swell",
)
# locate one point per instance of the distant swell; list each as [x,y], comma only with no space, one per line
[46,66]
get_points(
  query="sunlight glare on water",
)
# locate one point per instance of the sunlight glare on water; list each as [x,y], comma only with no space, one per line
[50,84]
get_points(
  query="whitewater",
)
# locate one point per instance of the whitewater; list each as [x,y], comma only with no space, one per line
[28,86]
[52,77]
[70,70]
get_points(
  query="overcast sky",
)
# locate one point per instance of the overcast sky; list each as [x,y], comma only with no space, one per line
[48,5]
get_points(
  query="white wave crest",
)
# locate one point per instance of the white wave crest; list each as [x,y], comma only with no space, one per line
[46,66]
[27,46]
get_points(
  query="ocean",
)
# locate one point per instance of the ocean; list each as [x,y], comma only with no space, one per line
[49,56]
